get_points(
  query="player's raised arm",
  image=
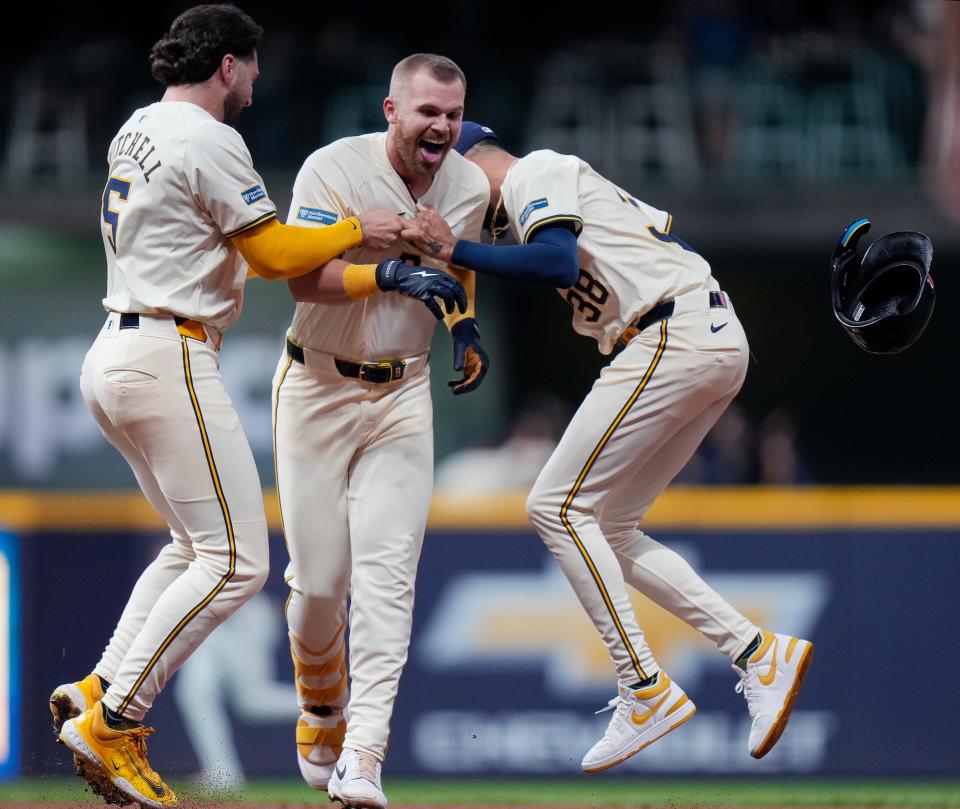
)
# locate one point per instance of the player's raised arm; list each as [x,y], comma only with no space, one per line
[305,257]
[277,251]
[548,255]
[341,282]
[550,258]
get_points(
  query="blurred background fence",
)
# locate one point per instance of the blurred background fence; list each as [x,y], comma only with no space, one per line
[764,128]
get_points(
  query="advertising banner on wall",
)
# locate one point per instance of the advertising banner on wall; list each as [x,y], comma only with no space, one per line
[505,671]
[10,649]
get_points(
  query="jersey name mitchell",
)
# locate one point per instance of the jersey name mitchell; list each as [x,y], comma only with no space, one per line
[181,184]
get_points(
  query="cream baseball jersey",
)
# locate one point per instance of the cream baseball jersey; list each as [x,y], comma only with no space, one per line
[344,179]
[629,261]
[181,184]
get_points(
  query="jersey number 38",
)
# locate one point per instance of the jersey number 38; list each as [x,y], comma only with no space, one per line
[587,296]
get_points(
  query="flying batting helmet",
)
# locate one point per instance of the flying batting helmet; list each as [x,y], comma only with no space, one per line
[885,300]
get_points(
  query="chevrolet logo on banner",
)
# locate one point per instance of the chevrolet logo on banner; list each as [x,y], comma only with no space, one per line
[502,621]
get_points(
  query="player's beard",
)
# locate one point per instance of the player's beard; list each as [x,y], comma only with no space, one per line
[408,149]
[232,105]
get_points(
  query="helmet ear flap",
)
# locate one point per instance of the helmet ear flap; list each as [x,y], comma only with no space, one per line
[906,246]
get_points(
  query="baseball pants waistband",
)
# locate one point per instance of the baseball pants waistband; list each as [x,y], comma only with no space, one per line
[689,301]
[164,325]
[377,372]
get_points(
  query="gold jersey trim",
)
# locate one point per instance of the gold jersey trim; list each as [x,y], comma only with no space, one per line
[551,220]
[251,225]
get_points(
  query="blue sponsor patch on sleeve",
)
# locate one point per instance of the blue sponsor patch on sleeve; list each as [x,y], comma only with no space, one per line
[251,195]
[317,215]
[531,207]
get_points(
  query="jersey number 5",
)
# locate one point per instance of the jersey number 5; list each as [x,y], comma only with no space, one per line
[594,295]
[111,218]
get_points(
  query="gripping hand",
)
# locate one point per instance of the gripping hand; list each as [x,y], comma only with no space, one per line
[426,284]
[469,356]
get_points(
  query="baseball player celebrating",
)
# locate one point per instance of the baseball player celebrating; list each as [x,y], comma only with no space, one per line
[683,356]
[353,427]
[184,213]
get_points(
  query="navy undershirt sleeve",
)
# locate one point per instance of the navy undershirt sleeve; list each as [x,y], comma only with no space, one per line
[549,259]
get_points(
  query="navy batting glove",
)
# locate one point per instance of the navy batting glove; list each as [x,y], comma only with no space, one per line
[468,356]
[426,284]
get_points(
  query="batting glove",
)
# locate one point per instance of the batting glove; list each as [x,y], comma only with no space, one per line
[468,356]
[426,284]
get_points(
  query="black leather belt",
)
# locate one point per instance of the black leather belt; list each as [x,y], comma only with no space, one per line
[131,320]
[651,316]
[188,328]
[662,311]
[377,372]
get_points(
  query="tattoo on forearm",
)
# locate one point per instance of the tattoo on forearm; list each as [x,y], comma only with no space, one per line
[435,247]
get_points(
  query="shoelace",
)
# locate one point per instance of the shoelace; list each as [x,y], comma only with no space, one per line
[617,702]
[138,739]
[749,686]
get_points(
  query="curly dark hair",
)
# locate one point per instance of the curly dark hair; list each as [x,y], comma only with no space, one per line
[198,40]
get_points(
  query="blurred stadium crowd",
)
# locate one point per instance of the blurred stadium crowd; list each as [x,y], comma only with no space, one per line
[764,128]
[685,93]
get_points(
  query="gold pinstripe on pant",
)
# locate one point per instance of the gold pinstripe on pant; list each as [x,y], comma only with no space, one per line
[225,510]
[661,347]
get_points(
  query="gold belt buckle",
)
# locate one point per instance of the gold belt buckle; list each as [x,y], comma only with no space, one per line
[394,369]
[627,335]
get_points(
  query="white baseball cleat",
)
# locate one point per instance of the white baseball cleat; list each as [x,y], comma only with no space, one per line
[770,683]
[640,717]
[356,781]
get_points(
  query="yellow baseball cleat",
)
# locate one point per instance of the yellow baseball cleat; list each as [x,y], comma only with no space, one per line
[120,754]
[99,781]
[770,683]
[640,717]
[72,699]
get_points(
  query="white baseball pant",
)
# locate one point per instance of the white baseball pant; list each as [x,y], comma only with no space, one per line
[641,422]
[354,464]
[158,397]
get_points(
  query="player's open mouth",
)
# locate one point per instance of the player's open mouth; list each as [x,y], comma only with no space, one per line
[431,150]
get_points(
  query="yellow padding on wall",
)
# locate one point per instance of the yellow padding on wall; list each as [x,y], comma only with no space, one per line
[707,508]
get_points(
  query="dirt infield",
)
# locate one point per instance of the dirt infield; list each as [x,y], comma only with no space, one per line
[196,805]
